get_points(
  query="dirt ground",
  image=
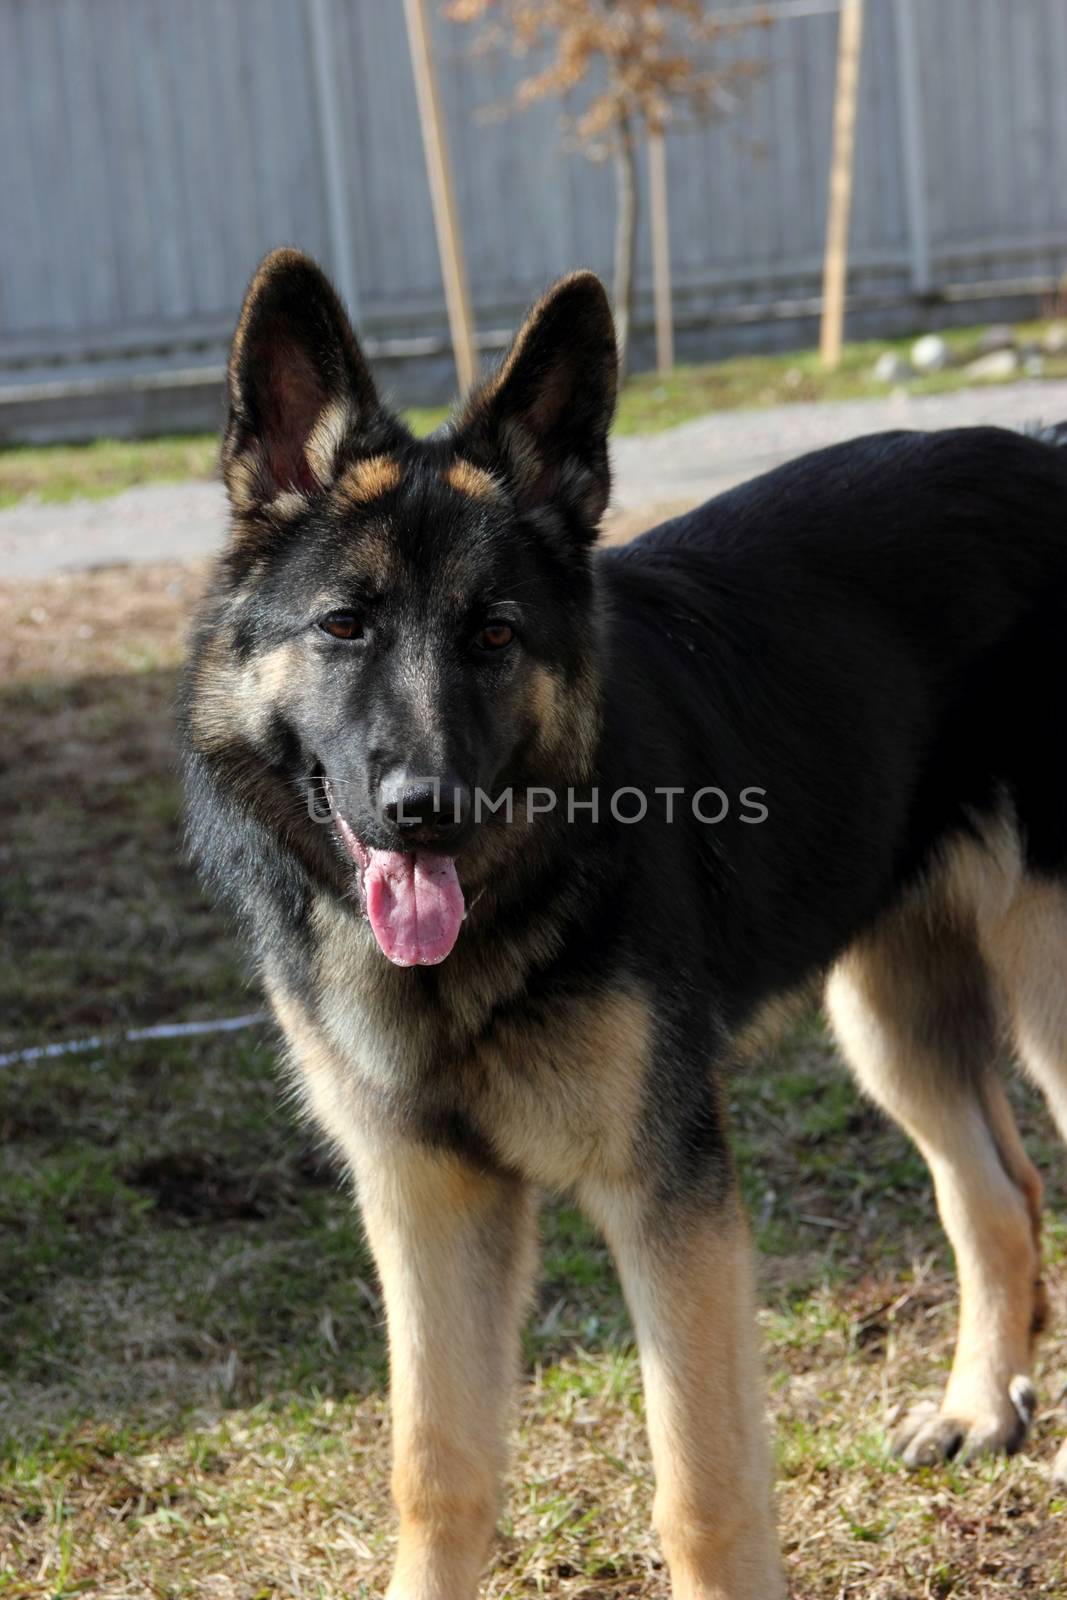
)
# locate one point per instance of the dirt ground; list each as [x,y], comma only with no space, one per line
[192,1368]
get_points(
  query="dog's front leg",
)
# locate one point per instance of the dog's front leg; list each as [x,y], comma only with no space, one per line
[454,1249]
[686,1270]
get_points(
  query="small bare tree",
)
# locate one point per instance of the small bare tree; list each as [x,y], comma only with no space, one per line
[649,62]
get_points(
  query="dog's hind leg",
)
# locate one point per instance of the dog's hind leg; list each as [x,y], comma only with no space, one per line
[454,1249]
[687,1276]
[913,1009]
[1026,948]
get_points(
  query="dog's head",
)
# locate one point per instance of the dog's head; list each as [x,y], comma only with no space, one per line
[407,624]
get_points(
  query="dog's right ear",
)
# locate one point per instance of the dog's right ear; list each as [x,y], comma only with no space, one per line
[299,388]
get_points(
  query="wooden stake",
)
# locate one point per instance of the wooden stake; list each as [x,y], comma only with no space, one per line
[661,250]
[338,188]
[835,266]
[442,194]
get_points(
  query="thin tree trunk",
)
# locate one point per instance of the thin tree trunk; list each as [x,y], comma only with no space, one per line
[625,238]
[842,162]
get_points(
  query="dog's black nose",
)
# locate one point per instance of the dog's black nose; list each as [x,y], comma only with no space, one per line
[421,805]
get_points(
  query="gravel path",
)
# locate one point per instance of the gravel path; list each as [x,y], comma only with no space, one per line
[176,522]
[701,458]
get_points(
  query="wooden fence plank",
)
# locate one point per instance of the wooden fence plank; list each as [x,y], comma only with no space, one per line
[145,185]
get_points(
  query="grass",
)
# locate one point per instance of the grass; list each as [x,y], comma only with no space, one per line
[103,467]
[648,403]
[192,1362]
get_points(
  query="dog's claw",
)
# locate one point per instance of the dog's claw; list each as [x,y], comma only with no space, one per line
[1023,1397]
[924,1435]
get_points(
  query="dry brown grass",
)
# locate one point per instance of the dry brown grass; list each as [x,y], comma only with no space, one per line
[290,1499]
[191,1354]
[111,620]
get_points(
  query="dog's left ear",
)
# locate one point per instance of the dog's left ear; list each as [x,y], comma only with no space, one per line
[542,421]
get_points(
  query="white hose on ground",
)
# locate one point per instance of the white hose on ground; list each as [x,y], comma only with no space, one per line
[161,1030]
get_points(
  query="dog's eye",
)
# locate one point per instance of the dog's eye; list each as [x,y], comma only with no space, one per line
[342,625]
[495,636]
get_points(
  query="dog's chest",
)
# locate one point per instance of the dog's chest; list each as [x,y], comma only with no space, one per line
[552,1089]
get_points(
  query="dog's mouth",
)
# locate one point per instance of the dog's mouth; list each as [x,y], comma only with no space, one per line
[413,899]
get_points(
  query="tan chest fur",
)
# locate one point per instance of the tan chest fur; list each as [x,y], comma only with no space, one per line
[556,1090]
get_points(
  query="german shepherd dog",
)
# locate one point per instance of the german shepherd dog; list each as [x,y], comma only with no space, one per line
[578,816]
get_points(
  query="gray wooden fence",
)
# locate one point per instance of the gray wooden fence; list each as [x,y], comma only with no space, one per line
[152,150]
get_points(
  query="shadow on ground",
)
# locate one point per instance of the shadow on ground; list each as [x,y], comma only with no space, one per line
[192,1357]
[176,1234]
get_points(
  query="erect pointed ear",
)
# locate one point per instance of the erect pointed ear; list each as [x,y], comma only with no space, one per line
[543,419]
[298,385]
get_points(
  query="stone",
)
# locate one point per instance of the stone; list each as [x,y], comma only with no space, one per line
[891,368]
[930,353]
[997,364]
[1054,339]
[997,337]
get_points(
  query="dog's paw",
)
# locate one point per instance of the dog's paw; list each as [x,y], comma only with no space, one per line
[924,1434]
[1059,1467]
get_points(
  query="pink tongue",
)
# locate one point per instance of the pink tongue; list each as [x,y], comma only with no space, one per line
[415,905]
